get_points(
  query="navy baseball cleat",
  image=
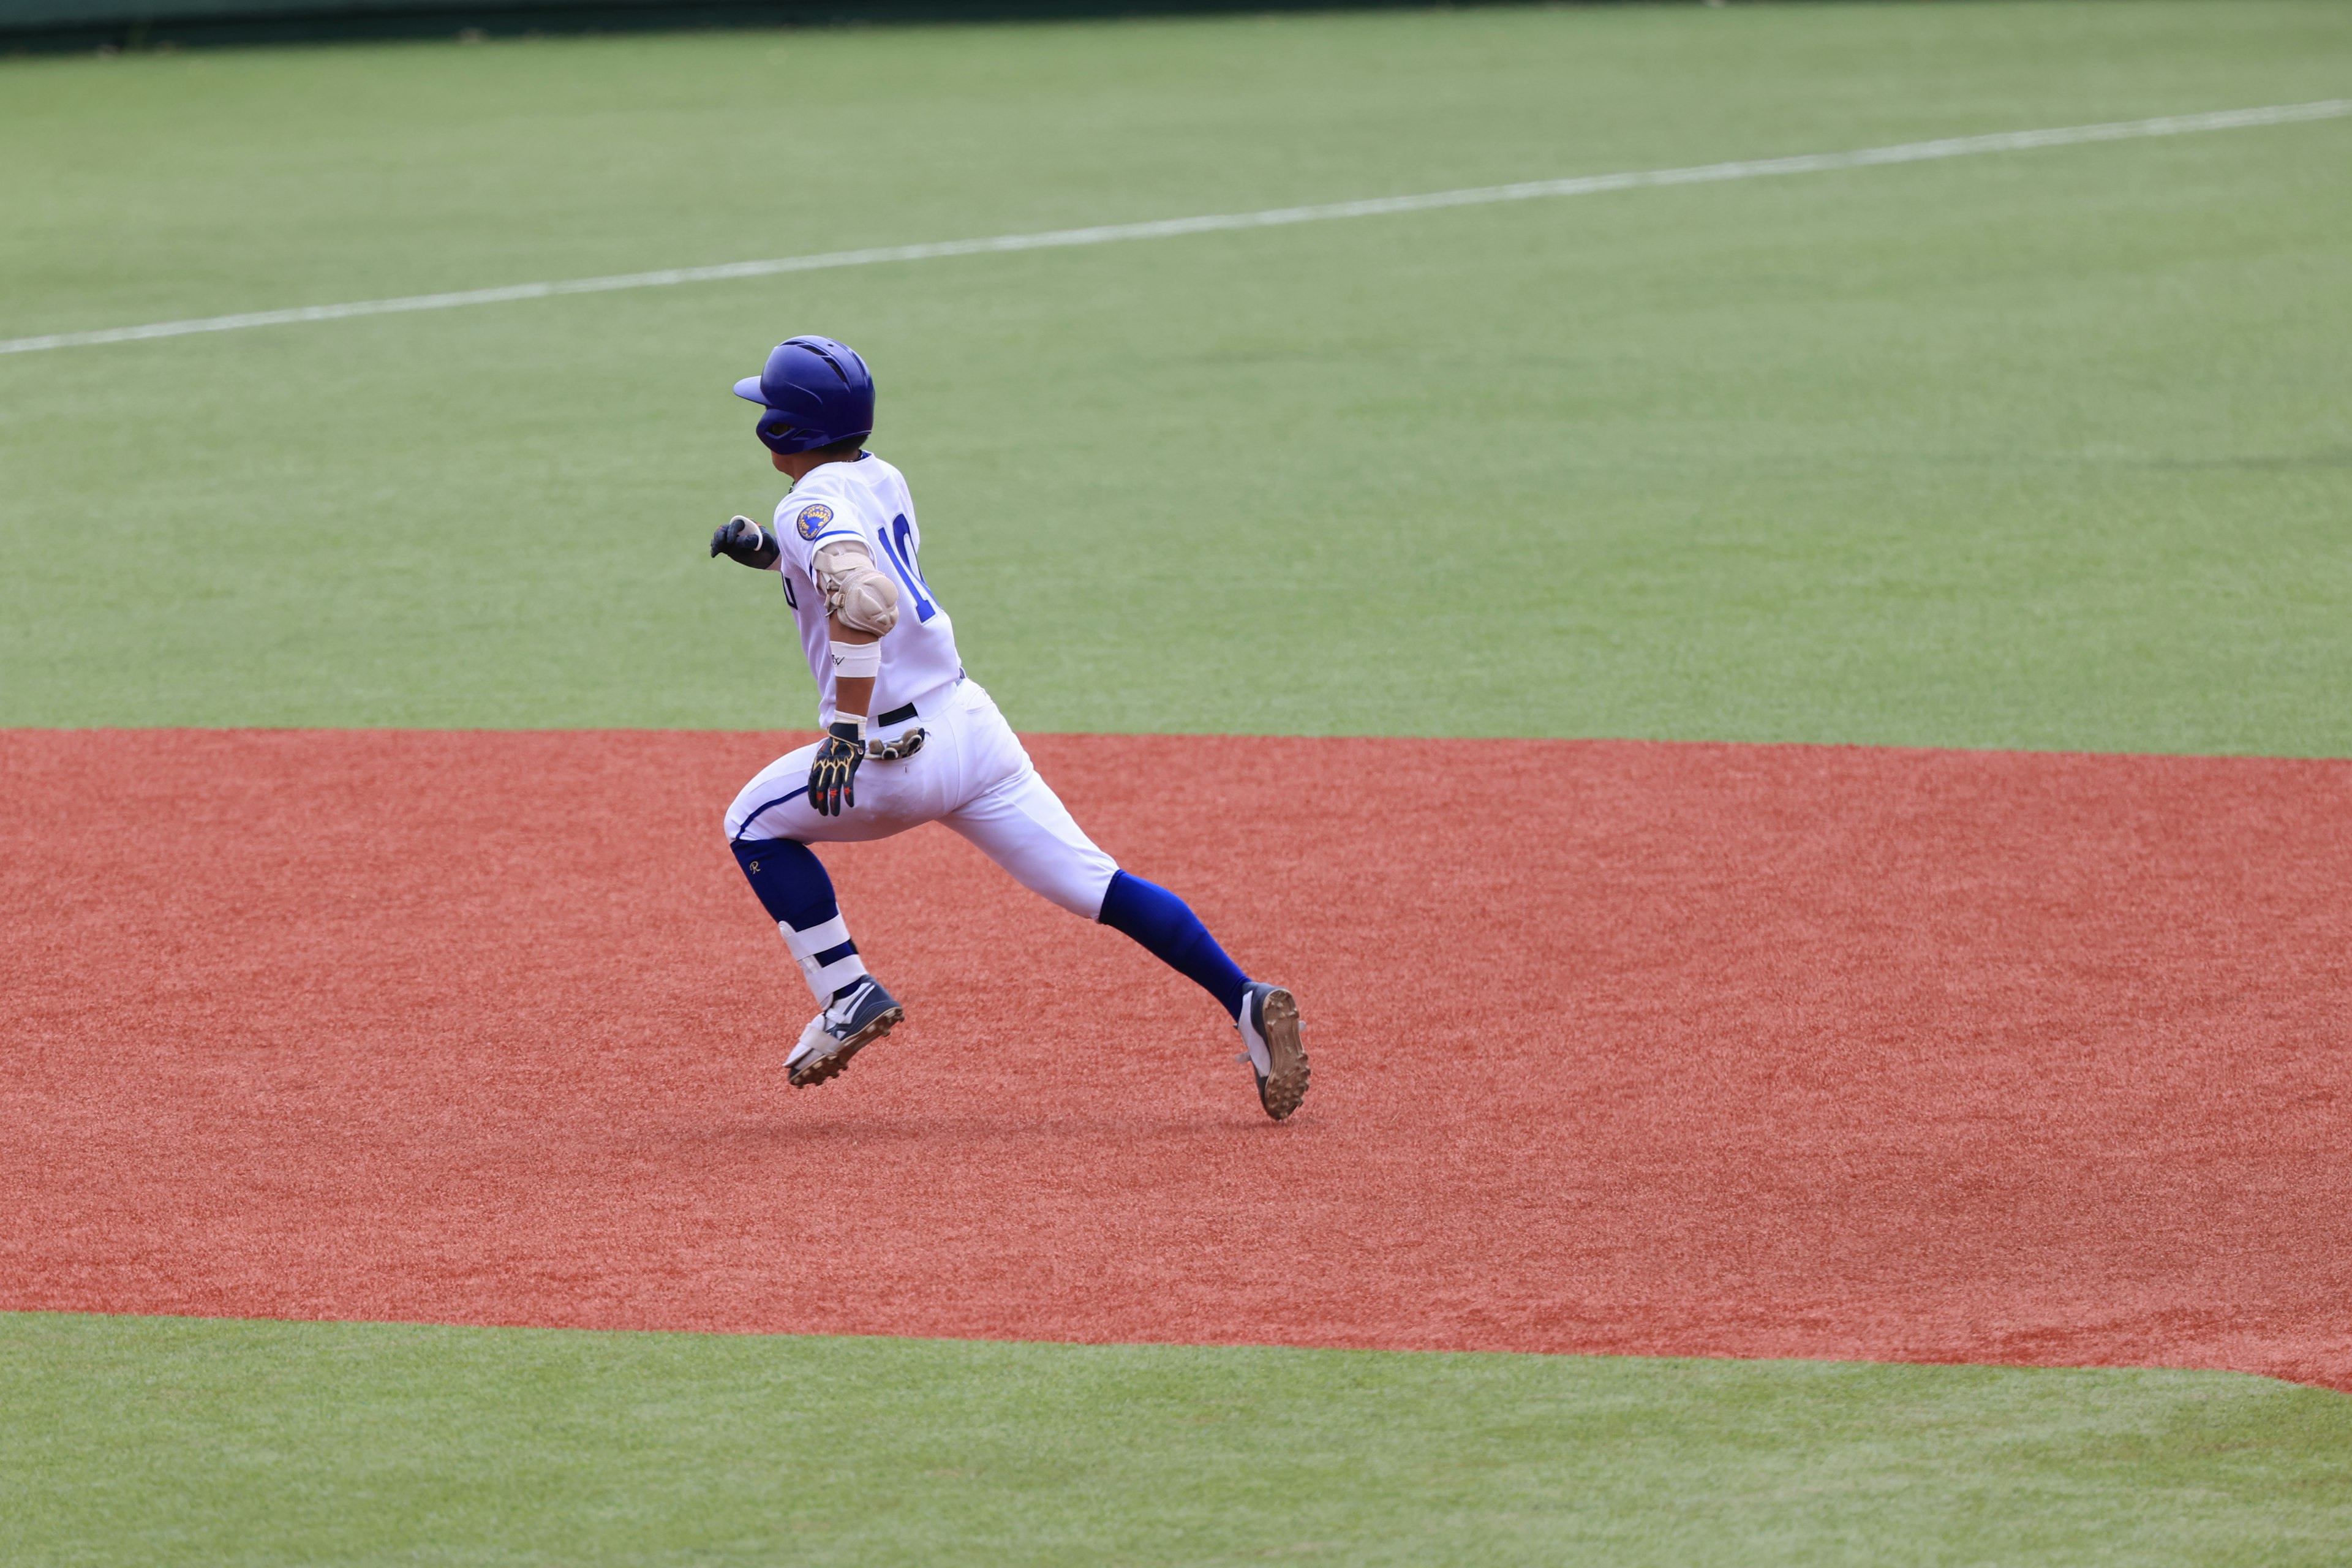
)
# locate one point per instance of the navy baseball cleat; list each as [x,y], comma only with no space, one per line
[848,1027]
[1269,1026]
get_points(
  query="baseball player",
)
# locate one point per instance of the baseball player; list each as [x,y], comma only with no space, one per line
[910,739]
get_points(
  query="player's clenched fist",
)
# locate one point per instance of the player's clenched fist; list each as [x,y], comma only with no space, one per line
[745,540]
[833,777]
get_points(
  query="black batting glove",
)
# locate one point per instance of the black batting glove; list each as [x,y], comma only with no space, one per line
[745,540]
[833,777]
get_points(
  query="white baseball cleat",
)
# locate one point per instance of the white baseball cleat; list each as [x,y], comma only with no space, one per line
[1269,1026]
[845,1027]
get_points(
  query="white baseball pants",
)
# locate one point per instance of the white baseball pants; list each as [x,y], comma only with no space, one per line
[971,776]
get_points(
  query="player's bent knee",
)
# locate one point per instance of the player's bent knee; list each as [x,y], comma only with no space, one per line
[1085,885]
[1078,885]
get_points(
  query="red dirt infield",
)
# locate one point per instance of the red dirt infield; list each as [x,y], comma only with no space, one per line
[1654,1048]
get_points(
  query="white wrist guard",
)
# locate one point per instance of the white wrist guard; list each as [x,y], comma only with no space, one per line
[853,659]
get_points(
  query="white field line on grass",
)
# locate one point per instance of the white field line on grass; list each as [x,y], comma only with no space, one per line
[1164,229]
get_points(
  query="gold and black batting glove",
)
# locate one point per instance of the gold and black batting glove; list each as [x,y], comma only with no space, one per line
[833,777]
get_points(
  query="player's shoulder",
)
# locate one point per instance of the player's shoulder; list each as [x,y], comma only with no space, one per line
[821,504]
[875,470]
[888,487]
[811,517]
[839,498]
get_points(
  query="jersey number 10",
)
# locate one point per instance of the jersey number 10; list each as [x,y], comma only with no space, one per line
[898,543]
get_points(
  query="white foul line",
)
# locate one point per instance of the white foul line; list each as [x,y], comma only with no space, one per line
[1478,195]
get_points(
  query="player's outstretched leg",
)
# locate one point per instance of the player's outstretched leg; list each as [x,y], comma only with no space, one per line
[853,1010]
[1266,1015]
[1023,826]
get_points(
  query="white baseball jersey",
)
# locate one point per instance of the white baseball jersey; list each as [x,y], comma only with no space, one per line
[867,501]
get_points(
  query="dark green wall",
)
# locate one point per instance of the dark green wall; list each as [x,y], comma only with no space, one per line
[44,25]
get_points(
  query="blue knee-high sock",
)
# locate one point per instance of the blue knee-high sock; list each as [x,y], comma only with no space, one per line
[1166,925]
[793,888]
[790,879]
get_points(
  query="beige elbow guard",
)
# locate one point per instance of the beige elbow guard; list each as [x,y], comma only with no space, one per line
[865,598]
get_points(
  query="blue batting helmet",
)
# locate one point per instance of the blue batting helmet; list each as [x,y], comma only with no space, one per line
[814,391]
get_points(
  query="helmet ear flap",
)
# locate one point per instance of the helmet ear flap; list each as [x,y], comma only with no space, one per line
[776,431]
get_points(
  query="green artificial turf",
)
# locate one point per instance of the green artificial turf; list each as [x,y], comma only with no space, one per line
[136,1440]
[2044,450]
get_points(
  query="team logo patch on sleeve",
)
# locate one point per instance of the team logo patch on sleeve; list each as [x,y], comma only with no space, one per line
[814,520]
